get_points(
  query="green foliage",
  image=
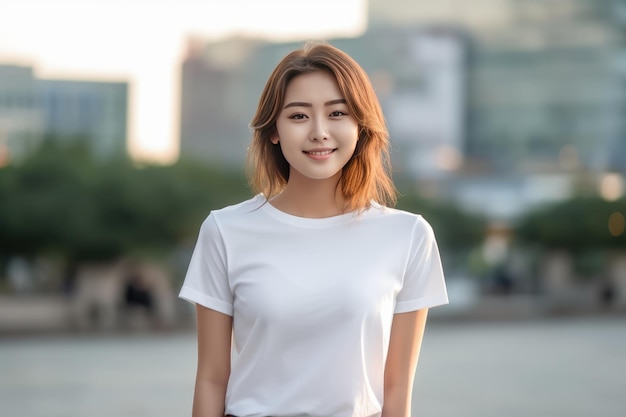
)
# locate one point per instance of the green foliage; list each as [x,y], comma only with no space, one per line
[64,202]
[61,200]
[455,229]
[579,225]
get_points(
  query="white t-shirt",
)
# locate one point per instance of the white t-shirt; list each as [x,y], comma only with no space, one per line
[312,302]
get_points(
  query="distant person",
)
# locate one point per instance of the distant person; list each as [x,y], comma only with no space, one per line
[607,293]
[324,289]
[137,291]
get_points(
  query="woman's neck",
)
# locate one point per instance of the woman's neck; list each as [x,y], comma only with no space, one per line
[311,198]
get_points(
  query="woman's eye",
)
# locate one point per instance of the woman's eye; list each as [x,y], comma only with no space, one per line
[297,116]
[337,113]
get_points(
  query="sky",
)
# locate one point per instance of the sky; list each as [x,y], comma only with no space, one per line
[142,42]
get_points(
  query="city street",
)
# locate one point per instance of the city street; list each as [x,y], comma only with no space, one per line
[556,367]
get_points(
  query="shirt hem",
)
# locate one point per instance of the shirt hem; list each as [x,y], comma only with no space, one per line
[194,297]
[413,305]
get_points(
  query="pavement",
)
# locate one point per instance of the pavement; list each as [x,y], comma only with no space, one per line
[557,367]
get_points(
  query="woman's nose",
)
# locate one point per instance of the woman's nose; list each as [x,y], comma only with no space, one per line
[318,130]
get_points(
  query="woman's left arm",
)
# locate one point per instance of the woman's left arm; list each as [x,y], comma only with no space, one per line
[407,331]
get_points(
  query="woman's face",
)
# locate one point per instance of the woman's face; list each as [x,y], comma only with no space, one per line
[315,130]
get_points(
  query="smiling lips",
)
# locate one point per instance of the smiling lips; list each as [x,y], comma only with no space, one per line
[319,154]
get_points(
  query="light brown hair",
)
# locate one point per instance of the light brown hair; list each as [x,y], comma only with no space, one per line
[366,176]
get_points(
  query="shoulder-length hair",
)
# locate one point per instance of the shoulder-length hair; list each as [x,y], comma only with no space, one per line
[366,177]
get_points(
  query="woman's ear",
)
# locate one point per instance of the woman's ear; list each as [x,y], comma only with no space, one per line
[274,138]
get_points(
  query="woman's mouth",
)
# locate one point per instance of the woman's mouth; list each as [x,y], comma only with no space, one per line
[319,154]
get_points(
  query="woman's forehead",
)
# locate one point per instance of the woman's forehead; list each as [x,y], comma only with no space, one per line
[313,86]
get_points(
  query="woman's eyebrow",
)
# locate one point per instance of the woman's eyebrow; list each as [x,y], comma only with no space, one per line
[303,104]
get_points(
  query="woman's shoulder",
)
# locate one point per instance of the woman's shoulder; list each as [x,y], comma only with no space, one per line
[394,213]
[245,206]
[231,214]
[401,218]
[236,211]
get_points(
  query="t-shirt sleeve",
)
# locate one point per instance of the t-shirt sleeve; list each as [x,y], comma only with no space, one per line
[206,282]
[423,285]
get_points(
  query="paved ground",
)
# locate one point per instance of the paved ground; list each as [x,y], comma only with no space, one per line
[553,368]
[568,367]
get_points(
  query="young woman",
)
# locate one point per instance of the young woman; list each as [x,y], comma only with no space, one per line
[321,287]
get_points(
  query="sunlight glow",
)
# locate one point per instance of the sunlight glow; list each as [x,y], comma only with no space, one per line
[142,42]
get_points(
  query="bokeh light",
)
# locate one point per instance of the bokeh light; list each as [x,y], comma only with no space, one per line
[612,187]
[616,224]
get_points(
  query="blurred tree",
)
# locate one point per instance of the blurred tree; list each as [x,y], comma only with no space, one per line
[455,229]
[60,200]
[578,225]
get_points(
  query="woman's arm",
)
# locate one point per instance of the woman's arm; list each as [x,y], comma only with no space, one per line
[214,343]
[407,331]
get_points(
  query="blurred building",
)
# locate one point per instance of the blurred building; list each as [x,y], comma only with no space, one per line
[422,93]
[217,101]
[546,103]
[94,112]
[545,82]
[34,109]
[21,121]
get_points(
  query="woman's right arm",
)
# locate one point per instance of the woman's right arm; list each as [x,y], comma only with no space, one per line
[214,344]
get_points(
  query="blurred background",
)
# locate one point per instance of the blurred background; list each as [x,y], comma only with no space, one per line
[123,124]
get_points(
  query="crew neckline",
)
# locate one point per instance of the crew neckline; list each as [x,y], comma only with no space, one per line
[311,222]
